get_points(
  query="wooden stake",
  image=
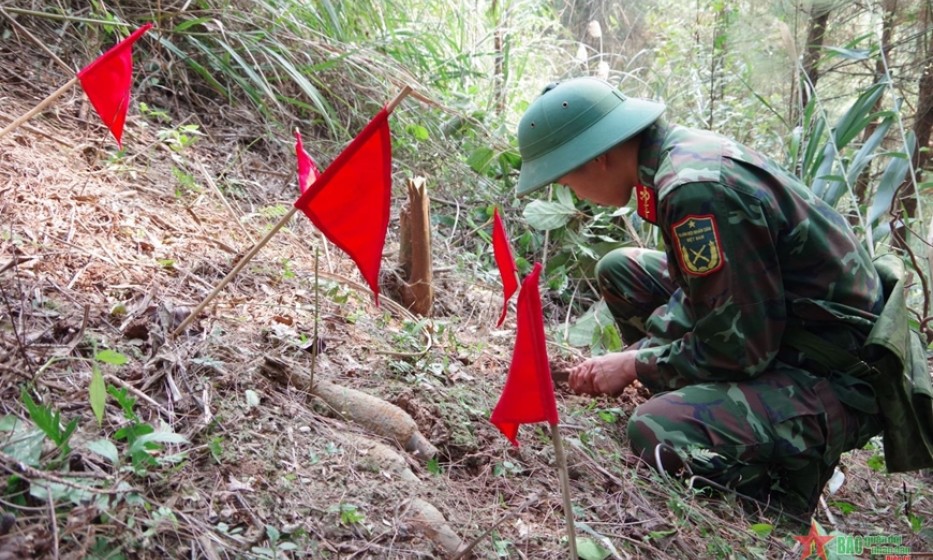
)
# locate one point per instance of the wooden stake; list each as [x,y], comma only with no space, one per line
[565,490]
[42,105]
[315,343]
[398,98]
[262,242]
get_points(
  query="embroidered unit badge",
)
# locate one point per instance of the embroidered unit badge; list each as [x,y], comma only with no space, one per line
[647,203]
[696,240]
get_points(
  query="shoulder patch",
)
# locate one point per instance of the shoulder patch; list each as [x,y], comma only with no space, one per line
[647,203]
[696,241]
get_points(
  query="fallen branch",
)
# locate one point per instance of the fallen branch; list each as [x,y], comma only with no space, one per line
[17,467]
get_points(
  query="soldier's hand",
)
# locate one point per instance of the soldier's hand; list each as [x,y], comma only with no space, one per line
[609,374]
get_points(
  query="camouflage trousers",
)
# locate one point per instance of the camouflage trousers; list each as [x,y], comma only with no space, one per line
[777,437]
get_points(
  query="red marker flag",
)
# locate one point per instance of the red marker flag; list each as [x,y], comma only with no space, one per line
[307,169]
[528,395]
[505,261]
[349,203]
[107,81]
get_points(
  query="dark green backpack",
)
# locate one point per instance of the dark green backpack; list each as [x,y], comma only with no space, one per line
[894,362]
[900,376]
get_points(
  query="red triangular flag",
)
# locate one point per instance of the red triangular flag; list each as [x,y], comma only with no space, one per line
[505,261]
[307,169]
[349,203]
[528,395]
[107,81]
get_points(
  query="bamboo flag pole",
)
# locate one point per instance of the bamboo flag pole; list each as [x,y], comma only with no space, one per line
[262,242]
[315,342]
[42,105]
[565,490]
[236,270]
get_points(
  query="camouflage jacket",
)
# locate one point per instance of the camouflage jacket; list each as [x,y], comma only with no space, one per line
[753,252]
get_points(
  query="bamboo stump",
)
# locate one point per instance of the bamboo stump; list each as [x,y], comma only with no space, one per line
[417,290]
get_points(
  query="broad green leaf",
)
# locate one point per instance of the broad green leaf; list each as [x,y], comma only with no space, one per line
[811,156]
[111,357]
[509,160]
[611,338]
[25,443]
[546,216]
[794,144]
[61,493]
[851,54]
[273,533]
[762,529]
[157,437]
[418,132]
[132,431]
[657,535]
[9,423]
[106,449]
[827,159]
[480,158]
[564,196]
[844,507]
[66,435]
[867,152]
[589,549]
[590,325]
[854,120]
[875,462]
[891,179]
[43,417]
[97,392]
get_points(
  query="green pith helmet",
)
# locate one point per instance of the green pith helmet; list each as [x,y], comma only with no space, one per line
[572,123]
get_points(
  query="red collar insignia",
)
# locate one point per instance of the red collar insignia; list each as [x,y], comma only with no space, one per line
[647,203]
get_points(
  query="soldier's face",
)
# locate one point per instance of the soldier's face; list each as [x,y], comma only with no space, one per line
[607,179]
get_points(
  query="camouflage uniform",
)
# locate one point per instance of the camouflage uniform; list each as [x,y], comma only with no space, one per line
[749,253]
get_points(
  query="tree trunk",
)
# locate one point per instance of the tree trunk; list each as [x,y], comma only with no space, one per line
[923,123]
[924,119]
[811,58]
